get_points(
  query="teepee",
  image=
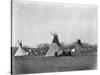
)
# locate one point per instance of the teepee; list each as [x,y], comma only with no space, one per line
[77,49]
[54,48]
[20,51]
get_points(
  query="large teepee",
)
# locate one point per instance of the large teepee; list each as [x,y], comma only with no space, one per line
[20,51]
[54,48]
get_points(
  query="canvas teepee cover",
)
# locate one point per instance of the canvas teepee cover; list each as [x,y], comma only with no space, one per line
[54,47]
[20,51]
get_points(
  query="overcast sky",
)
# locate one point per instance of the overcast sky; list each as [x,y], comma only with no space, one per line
[33,22]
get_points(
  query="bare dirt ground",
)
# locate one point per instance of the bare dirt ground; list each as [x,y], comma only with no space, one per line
[32,64]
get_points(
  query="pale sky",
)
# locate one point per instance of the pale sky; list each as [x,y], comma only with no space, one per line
[33,22]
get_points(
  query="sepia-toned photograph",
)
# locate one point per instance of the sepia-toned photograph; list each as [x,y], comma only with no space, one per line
[52,37]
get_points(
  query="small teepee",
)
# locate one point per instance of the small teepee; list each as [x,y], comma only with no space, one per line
[77,49]
[20,51]
[54,48]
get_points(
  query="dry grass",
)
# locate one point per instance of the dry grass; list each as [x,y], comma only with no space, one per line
[34,64]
